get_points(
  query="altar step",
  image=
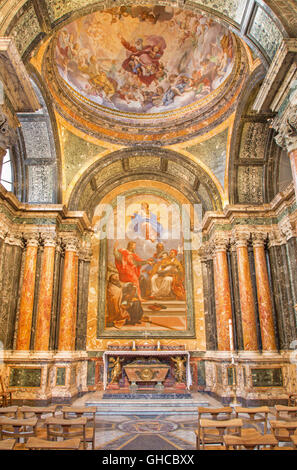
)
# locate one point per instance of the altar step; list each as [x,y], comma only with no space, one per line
[147,406]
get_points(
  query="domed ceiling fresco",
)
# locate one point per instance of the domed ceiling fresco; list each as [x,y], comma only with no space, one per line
[143,60]
[145,74]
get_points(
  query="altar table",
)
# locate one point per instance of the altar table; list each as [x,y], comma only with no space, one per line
[147,353]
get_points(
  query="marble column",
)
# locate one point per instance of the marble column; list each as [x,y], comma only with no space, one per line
[68,307]
[222,295]
[44,307]
[264,295]
[27,294]
[247,305]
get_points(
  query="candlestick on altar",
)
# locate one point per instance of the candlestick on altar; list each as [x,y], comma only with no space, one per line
[234,385]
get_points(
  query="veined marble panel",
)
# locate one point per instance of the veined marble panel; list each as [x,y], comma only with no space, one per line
[212,152]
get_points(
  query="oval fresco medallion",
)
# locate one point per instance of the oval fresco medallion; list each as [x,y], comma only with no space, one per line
[141,61]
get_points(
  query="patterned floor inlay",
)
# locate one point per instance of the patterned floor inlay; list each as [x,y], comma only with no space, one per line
[143,432]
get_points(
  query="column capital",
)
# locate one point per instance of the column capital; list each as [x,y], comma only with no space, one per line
[287,229]
[49,239]
[14,239]
[240,238]
[205,252]
[220,242]
[71,243]
[259,239]
[32,239]
[286,128]
[276,239]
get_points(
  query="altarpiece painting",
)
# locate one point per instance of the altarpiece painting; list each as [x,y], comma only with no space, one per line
[145,273]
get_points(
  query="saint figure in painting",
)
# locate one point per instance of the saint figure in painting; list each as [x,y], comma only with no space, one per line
[117,315]
[129,264]
[167,277]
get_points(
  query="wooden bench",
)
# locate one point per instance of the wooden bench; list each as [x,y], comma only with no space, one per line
[255,415]
[215,414]
[286,413]
[251,441]
[70,412]
[17,428]
[283,430]
[7,444]
[66,429]
[207,426]
[34,443]
[7,411]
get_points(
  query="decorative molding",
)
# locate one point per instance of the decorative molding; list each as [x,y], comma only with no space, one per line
[15,78]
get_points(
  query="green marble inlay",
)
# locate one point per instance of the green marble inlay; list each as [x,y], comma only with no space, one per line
[91,373]
[61,376]
[212,152]
[73,376]
[201,373]
[77,152]
[25,377]
[267,377]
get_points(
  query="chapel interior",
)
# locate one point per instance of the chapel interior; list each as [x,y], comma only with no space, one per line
[148,218]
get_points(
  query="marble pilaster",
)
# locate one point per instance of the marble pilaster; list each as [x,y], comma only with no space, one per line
[248,317]
[27,294]
[264,296]
[11,261]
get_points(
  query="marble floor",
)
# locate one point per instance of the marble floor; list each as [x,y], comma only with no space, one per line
[146,425]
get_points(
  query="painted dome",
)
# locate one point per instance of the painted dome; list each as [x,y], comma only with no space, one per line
[130,62]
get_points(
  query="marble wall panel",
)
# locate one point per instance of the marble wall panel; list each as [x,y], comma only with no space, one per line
[27,377]
[250,184]
[253,140]
[266,32]
[59,8]
[37,141]
[77,153]
[213,153]
[41,183]
[25,29]
[234,9]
